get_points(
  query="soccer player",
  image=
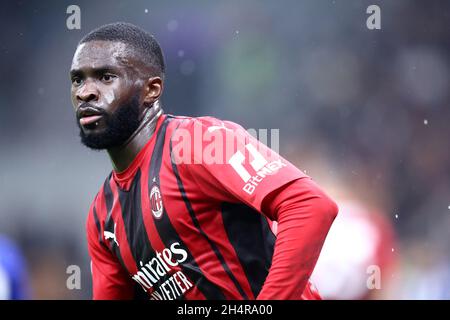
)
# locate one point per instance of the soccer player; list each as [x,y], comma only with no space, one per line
[186,212]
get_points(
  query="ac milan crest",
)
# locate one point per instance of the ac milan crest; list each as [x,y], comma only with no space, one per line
[156,203]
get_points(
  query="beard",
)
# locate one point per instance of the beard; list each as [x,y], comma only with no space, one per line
[119,126]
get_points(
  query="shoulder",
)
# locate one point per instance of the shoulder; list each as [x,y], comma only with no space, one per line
[205,123]
[205,140]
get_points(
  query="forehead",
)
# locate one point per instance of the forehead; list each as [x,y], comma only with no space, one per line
[95,54]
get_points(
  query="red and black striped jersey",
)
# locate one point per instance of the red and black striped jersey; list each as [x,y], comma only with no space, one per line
[184,220]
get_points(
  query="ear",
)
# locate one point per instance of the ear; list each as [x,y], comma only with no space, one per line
[153,90]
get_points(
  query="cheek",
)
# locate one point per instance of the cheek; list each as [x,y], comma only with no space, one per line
[109,96]
[74,98]
[114,94]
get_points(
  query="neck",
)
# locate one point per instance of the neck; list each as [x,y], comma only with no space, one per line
[122,156]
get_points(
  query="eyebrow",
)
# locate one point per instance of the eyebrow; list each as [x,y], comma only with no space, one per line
[96,71]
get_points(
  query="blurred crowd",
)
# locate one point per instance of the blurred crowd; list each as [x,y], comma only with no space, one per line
[364,112]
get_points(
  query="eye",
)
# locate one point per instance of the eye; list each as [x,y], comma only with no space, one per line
[77,81]
[108,78]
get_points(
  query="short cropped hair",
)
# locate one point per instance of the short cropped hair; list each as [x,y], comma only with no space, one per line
[142,43]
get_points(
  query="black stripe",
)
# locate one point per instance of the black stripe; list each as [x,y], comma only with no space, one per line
[133,219]
[99,229]
[199,229]
[167,232]
[109,222]
[137,236]
[250,235]
[97,224]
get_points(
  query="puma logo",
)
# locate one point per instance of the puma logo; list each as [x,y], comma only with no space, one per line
[111,235]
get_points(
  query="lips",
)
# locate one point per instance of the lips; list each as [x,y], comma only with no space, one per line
[89,119]
[88,116]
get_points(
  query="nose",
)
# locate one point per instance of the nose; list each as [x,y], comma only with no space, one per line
[87,92]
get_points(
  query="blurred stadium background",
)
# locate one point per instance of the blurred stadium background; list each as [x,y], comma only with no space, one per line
[364,112]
